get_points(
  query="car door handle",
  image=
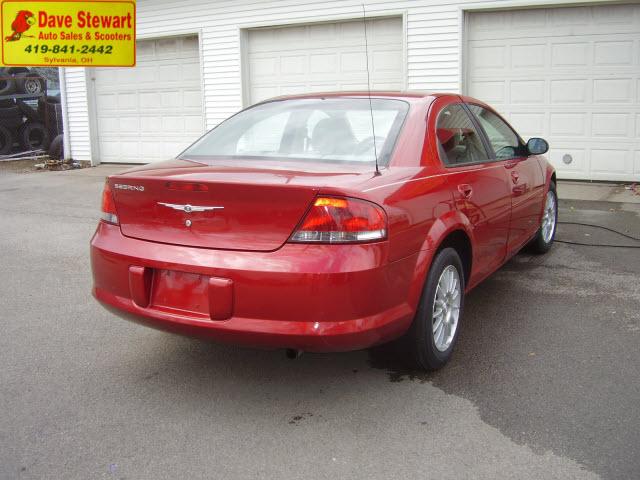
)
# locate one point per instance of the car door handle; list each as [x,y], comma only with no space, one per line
[515,176]
[510,163]
[466,190]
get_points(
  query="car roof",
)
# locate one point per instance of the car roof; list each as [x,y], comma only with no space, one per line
[404,95]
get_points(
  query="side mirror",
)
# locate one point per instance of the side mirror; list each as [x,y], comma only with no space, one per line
[537,146]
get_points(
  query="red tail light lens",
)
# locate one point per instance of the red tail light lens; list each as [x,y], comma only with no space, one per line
[109,213]
[342,220]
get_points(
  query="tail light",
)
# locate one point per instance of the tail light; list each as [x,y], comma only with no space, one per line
[109,213]
[342,220]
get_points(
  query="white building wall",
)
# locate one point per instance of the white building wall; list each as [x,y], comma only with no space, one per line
[78,113]
[433,44]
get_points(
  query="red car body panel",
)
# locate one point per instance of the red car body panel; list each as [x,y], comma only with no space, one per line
[233,277]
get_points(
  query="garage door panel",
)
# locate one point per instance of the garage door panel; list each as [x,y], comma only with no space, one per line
[528,56]
[353,62]
[153,111]
[322,63]
[527,92]
[492,92]
[389,61]
[127,101]
[327,56]
[573,160]
[611,125]
[570,54]
[105,102]
[616,162]
[569,91]
[150,124]
[613,53]
[568,124]
[571,74]
[487,58]
[293,65]
[613,90]
[527,19]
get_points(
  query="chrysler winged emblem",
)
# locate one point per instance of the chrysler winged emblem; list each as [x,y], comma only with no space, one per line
[189,208]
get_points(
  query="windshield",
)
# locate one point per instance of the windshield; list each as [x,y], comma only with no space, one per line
[333,129]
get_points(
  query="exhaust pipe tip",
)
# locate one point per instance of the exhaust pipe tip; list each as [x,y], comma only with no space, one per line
[292,353]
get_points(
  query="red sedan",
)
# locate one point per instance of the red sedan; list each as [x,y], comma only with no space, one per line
[326,222]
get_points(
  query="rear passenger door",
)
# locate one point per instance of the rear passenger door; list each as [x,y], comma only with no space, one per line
[479,186]
[524,172]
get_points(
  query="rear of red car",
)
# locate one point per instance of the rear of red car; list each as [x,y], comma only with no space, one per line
[250,254]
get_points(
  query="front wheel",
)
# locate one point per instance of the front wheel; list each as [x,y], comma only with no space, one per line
[546,233]
[435,327]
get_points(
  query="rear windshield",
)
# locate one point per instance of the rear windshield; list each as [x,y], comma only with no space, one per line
[332,130]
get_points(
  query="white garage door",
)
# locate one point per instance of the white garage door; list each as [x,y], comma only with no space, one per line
[153,111]
[324,57]
[571,75]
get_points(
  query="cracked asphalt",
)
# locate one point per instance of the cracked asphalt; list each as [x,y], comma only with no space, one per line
[544,382]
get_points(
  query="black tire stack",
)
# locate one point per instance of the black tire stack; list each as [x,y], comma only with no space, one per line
[28,116]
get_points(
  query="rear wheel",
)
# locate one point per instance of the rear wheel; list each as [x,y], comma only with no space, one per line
[435,327]
[546,233]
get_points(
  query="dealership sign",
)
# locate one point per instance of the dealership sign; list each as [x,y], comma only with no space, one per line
[68,34]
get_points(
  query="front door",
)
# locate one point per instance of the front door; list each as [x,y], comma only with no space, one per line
[525,178]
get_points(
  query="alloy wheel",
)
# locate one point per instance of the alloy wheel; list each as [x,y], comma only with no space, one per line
[549,217]
[446,308]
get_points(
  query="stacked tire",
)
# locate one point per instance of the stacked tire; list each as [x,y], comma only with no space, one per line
[21,122]
[10,121]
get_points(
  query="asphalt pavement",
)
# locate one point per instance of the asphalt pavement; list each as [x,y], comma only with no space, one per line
[545,381]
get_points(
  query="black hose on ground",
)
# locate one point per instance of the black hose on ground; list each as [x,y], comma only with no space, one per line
[599,244]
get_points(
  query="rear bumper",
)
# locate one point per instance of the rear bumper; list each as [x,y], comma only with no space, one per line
[310,297]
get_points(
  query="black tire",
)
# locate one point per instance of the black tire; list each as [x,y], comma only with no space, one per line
[9,112]
[6,140]
[7,103]
[7,85]
[12,122]
[29,112]
[33,136]
[420,337]
[10,117]
[30,84]
[539,245]
[17,70]
[56,150]
[53,99]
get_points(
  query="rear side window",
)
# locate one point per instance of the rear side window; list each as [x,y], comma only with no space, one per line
[458,139]
[503,139]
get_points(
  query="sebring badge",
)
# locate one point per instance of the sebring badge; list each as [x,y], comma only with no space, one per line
[124,186]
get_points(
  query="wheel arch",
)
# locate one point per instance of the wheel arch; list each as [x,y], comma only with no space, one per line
[451,230]
[461,243]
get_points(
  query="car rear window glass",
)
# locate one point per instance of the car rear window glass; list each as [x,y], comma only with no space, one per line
[332,130]
[458,138]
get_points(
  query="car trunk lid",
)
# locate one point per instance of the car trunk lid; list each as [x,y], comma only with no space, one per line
[211,211]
